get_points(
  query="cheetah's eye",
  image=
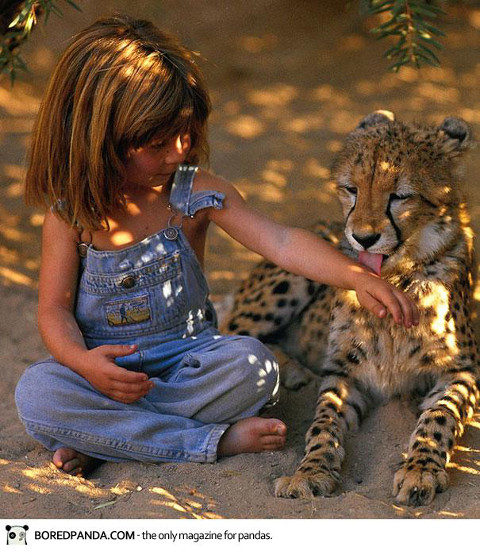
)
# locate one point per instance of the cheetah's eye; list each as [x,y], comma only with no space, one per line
[349,189]
[397,197]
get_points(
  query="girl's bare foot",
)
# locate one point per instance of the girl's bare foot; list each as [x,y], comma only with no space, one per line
[73,462]
[254,434]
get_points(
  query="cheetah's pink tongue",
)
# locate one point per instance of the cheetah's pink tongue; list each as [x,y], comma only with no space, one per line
[371,260]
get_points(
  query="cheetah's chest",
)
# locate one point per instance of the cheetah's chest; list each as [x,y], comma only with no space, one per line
[386,357]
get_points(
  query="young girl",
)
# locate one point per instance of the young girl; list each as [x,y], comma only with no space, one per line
[138,369]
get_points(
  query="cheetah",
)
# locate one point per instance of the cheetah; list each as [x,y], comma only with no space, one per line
[405,218]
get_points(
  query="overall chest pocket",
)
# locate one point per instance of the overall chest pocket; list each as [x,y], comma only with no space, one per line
[138,302]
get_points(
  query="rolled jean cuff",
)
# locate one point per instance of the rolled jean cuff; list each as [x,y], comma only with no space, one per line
[118,450]
[212,447]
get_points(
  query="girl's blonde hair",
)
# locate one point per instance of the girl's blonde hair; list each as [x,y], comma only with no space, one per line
[120,84]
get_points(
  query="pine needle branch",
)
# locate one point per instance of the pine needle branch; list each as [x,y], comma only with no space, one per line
[409,23]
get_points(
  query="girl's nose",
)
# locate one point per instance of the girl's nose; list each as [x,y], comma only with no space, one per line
[178,149]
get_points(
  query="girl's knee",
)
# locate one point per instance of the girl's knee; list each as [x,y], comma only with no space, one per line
[36,388]
[261,365]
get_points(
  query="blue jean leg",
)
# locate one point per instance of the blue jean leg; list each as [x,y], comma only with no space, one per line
[230,379]
[181,419]
[61,409]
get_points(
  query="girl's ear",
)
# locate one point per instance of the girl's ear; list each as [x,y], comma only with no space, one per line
[376,118]
[456,135]
[186,141]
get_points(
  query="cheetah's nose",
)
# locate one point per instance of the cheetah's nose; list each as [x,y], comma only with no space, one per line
[366,241]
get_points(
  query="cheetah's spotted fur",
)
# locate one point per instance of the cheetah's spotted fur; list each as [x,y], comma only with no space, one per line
[400,196]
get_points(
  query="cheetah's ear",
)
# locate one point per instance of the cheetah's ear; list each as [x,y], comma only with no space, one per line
[456,133]
[376,118]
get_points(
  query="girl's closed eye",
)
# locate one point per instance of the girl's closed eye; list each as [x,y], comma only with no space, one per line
[158,145]
[164,143]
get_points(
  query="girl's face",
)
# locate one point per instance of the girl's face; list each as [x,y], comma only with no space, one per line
[153,165]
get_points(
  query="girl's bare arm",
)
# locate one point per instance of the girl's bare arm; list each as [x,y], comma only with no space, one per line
[302,252]
[57,287]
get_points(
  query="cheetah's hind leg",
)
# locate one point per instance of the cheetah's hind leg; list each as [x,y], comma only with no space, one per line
[293,375]
[269,306]
[267,301]
[266,307]
[270,298]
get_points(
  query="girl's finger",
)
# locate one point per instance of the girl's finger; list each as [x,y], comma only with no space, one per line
[389,300]
[410,310]
[118,350]
[126,397]
[122,375]
[132,388]
[375,306]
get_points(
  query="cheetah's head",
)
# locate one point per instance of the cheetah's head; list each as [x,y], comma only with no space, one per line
[397,186]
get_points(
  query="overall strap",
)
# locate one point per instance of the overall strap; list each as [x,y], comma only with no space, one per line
[186,203]
[182,188]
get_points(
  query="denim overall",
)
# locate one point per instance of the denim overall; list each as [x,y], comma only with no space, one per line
[152,294]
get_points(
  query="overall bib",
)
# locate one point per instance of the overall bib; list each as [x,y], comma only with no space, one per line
[152,294]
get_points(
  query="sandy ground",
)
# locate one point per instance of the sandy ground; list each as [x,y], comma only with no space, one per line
[289,79]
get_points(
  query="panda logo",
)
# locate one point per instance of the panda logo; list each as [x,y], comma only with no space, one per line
[17,535]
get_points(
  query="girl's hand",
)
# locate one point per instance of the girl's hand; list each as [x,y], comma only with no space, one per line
[379,296]
[113,381]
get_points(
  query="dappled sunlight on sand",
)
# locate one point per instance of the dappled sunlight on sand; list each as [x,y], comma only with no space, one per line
[245,127]
[19,236]
[18,101]
[466,458]
[449,514]
[93,495]
[188,501]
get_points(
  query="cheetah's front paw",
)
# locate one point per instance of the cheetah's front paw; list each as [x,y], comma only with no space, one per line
[302,485]
[418,486]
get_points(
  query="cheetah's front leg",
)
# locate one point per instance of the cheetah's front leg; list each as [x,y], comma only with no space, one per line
[446,410]
[339,408]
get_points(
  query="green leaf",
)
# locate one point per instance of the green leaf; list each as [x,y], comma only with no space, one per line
[381,4]
[431,41]
[14,22]
[395,32]
[398,65]
[399,7]
[380,7]
[428,60]
[392,51]
[433,29]
[423,7]
[423,50]
[423,10]
[56,10]
[382,10]
[78,8]
[390,22]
